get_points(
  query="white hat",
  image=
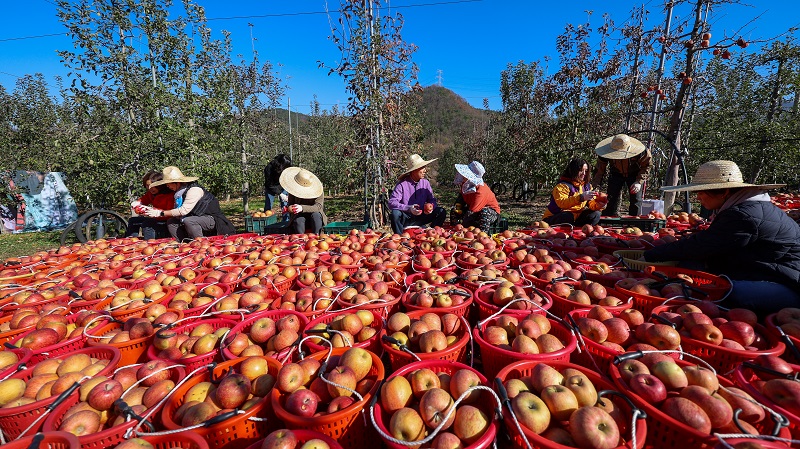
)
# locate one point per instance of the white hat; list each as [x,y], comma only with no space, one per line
[415,162]
[172,174]
[717,175]
[620,146]
[301,183]
[473,172]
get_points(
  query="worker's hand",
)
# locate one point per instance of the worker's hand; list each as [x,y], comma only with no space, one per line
[295,208]
[284,197]
[635,188]
[415,210]
[588,195]
[152,212]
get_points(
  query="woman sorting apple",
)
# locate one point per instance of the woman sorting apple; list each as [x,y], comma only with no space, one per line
[482,209]
[305,199]
[750,240]
[412,201]
[629,163]
[572,200]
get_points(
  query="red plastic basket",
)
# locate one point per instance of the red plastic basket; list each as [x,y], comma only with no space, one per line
[744,378]
[235,432]
[383,308]
[199,310]
[523,368]
[50,440]
[442,366]
[716,287]
[487,309]
[245,326]
[646,303]
[14,420]
[63,347]
[197,361]
[456,352]
[495,358]
[136,312]
[563,306]
[373,344]
[772,328]
[109,437]
[345,426]
[23,356]
[183,440]
[665,432]
[131,351]
[304,436]
[593,355]
[460,310]
[725,360]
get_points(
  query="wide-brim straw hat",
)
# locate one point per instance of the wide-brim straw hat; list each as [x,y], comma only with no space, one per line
[301,183]
[172,174]
[717,175]
[415,162]
[621,146]
[473,172]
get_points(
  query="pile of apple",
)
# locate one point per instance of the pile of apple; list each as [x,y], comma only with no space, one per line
[420,294]
[263,335]
[614,331]
[789,320]
[486,257]
[436,261]
[287,439]
[95,409]
[528,335]
[191,296]
[431,276]
[549,271]
[352,328]
[321,276]
[426,334]
[417,403]
[563,407]
[53,328]
[504,293]
[28,316]
[8,359]
[156,315]
[585,292]
[237,390]
[689,394]
[48,378]
[196,340]
[34,297]
[732,330]
[366,292]
[130,299]
[305,393]
[684,218]
[490,274]
[385,258]
[782,391]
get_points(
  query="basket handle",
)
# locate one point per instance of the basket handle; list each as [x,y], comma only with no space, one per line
[618,359]
[795,376]
[789,343]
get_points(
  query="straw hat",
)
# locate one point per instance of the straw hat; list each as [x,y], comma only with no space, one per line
[415,161]
[620,146]
[473,172]
[301,183]
[718,175]
[173,174]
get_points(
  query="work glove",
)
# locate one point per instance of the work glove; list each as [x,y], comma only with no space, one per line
[635,188]
[415,210]
[587,195]
[151,212]
[284,197]
[295,208]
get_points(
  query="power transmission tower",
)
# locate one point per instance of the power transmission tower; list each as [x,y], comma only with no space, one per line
[439,77]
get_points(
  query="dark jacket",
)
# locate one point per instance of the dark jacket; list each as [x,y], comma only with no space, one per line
[753,240]
[272,176]
[209,205]
[310,205]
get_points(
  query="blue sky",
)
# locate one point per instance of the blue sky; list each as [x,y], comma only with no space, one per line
[470,41]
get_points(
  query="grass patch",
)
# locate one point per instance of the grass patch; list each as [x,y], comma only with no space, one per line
[15,245]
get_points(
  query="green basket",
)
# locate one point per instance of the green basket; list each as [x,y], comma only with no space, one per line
[343,227]
[257,225]
[499,226]
[631,259]
[645,224]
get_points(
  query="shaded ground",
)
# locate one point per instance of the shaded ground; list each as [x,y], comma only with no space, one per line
[338,208]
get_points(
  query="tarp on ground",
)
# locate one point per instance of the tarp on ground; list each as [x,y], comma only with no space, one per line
[46,204]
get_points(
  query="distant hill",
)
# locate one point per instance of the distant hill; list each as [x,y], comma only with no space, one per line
[445,116]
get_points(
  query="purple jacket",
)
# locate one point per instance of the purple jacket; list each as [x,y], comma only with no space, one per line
[408,192]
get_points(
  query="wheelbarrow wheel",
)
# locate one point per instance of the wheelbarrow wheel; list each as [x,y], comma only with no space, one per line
[100,224]
[67,232]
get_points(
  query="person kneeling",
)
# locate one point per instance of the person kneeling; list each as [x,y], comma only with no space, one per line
[572,200]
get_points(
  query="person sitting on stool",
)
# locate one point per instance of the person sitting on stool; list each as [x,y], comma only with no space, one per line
[306,200]
[412,201]
[572,200]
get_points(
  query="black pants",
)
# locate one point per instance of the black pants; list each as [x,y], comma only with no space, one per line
[306,222]
[615,184]
[591,217]
[401,219]
[150,227]
[484,218]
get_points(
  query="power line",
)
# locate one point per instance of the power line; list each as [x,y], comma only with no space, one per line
[31,37]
